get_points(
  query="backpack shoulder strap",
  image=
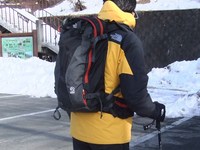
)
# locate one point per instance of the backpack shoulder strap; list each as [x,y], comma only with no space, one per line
[99,32]
[97,25]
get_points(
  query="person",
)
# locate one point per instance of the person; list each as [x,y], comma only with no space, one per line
[125,66]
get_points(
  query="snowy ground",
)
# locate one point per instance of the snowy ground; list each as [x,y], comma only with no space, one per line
[176,85]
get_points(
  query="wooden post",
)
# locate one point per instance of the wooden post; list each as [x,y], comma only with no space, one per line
[35,43]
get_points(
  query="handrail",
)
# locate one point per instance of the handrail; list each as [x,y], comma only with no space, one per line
[17,20]
[48,18]
[50,35]
[52,21]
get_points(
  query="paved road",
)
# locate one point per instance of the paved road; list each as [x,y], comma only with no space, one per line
[26,123]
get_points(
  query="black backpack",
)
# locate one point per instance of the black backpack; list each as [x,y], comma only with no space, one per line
[80,63]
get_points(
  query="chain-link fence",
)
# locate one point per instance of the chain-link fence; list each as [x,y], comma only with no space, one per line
[169,36]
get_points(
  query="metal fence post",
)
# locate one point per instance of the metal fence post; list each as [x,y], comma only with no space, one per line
[39,29]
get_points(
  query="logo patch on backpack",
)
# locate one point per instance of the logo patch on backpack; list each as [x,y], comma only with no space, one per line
[72,90]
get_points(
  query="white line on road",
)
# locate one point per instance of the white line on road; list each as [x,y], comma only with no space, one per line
[151,135]
[8,96]
[25,115]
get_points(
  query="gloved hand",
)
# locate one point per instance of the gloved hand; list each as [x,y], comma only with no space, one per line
[159,112]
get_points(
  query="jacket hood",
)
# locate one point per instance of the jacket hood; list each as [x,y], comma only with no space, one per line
[110,11]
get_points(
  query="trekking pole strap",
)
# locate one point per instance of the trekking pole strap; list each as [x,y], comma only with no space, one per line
[148,126]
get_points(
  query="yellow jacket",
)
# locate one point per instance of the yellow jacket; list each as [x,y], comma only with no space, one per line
[89,127]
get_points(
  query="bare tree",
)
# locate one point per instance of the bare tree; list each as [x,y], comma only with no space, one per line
[78,5]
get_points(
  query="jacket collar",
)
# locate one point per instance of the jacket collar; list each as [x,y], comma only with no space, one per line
[110,11]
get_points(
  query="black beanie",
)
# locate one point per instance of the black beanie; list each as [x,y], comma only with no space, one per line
[125,5]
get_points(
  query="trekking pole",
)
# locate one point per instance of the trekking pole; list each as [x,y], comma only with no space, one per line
[158,126]
[159,134]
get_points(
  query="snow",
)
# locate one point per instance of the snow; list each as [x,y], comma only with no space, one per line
[32,77]
[62,10]
[67,7]
[176,85]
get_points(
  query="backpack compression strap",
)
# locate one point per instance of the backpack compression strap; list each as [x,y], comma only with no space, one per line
[98,34]
[99,30]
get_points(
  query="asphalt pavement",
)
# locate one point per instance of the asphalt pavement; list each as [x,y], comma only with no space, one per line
[26,123]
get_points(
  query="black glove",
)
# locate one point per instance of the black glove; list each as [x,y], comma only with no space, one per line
[159,112]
